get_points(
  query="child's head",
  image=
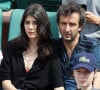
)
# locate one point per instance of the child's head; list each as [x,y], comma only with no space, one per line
[84,66]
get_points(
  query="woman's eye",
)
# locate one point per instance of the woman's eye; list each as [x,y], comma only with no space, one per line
[27,22]
[34,23]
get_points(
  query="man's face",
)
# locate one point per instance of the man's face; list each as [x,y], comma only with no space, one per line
[69,26]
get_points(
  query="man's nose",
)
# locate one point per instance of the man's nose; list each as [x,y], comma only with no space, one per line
[67,28]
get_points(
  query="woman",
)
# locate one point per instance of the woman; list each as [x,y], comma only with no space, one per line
[28,62]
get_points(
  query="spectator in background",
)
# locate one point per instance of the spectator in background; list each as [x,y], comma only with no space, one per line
[70,19]
[84,70]
[29,61]
[92,24]
[81,2]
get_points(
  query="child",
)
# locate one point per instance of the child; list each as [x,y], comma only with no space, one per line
[84,70]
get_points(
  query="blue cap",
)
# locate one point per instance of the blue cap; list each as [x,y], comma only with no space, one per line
[85,60]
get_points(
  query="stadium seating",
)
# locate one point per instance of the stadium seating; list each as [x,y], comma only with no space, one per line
[49,5]
[5,5]
[53,24]
[0,28]
[14,28]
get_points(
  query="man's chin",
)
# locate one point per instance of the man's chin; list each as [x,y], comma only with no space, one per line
[67,39]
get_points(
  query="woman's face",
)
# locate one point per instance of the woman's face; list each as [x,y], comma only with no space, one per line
[30,25]
[83,77]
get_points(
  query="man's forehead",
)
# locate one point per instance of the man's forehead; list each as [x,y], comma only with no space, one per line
[73,17]
[70,14]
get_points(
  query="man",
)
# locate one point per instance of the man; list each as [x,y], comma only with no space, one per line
[70,21]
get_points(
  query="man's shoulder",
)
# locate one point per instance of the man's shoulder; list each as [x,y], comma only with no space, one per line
[88,40]
[86,44]
[58,45]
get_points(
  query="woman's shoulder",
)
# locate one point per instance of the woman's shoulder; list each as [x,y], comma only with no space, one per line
[12,47]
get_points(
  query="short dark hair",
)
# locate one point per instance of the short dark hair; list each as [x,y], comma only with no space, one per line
[69,8]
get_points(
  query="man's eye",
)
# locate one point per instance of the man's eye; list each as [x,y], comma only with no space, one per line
[72,24]
[63,23]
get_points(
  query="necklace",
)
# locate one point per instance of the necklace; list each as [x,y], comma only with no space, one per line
[28,59]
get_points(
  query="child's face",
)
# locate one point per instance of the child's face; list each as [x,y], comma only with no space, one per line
[83,77]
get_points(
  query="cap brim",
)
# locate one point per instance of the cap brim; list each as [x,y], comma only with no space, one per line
[88,67]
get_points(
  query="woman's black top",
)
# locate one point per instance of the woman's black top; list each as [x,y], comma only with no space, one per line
[44,74]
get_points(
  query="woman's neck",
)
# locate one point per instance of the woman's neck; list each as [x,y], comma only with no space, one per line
[33,44]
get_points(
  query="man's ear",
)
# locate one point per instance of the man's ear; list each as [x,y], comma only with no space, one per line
[80,27]
[59,32]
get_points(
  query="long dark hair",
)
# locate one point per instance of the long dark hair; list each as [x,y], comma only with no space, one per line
[43,30]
